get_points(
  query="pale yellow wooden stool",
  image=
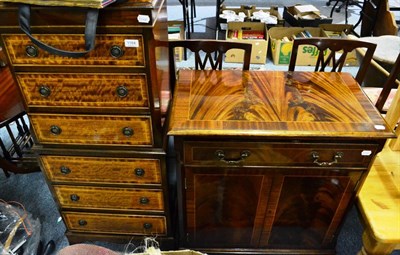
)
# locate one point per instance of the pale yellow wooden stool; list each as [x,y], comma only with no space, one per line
[379,198]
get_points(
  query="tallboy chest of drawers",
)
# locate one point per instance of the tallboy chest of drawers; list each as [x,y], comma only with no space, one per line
[96,120]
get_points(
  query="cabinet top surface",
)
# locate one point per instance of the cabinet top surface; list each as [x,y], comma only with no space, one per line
[273,103]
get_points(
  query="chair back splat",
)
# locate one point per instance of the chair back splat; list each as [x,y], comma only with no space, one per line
[204,51]
[389,84]
[15,136]
[336,47]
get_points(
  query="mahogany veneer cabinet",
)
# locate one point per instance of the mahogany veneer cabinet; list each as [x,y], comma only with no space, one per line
[96,120]
[270,161]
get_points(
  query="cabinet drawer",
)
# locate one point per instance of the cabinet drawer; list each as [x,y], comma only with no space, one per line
[23,52]
[92,129]
[109,198]
[102,170]
[116,224]
[279,154]
[84,90]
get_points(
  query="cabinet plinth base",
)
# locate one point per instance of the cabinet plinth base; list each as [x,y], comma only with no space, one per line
[263,251]
[166,243]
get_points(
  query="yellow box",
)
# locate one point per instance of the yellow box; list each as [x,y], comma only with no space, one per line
[307,55]
[281,49]
[259,48]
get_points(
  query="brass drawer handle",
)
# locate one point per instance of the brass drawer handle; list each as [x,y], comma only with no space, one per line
[139,172]
[44,91]
[116,51]
[74,197]
[144,200]
[122,91]
[147,225]
[315,156]
[31,51]
[82,222]
[220,154]
[65,170]
[127,131]
[55,130]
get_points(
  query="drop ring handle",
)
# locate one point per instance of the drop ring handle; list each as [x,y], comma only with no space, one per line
[338,155]
[220,154]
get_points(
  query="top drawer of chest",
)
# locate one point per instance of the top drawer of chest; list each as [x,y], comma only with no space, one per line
[110,50]
[279,154]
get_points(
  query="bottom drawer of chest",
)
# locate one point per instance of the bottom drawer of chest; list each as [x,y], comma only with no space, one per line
[116,223]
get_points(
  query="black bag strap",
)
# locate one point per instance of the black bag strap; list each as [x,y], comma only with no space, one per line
[90,32]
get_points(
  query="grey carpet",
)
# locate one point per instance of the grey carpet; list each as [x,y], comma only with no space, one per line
[31,190]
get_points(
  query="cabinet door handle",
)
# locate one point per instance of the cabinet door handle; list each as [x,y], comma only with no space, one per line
[220,154]
[338,155]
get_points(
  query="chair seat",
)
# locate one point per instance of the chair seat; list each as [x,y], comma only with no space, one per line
[373,94]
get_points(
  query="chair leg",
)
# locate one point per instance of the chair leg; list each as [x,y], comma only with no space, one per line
[5,166]
[192,13]
[334,7]
[372,246]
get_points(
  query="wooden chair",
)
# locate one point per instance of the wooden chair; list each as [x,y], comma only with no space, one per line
[379,198]
[207,53]
[382,96]
[204,51]
[15,136]
[337,47]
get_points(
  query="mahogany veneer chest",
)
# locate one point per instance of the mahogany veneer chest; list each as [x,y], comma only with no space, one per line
[270,161]
[96,120]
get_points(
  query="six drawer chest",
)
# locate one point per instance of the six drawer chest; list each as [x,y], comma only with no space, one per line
[97,119]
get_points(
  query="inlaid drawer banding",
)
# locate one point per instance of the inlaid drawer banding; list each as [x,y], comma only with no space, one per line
[110,198]
[122,223]
[78,169]
[275,154]
[115,130]
[84,90]
[110,50]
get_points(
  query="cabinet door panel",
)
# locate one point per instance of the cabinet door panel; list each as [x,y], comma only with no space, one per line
[225,207]
[309,209]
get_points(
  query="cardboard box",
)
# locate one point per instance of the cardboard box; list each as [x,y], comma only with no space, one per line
[311,20]
[248,13]
[306,9]
[307,55]
[281,49]
[341,31]
[176,31]
[259,48]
